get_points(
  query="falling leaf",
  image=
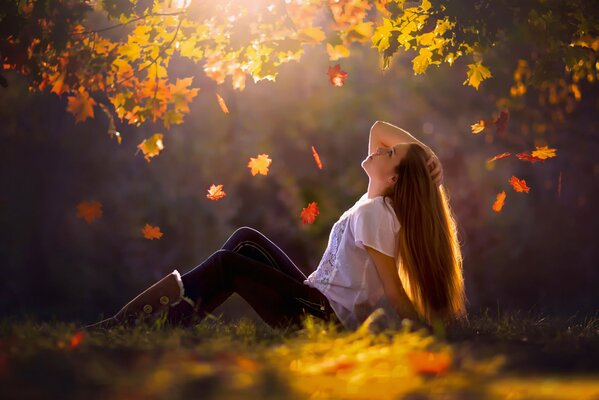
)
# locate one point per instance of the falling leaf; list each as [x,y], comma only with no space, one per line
[111,126]
[77,339]
[519,185]
[151,147]
[316,158]
[502,120]
[260,164]
[559,184]
[479,126]
[89,210]
[476,74]
[499,157]
[309,213]
[544,152]
[81,105]
[151,232]
[498,204]
[527,157]
[427,362]
[222,104]
[216,192]
[336,76]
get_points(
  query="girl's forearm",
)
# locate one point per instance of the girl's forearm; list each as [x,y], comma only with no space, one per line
[384,134]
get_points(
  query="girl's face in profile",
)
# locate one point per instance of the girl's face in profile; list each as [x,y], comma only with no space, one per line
[380,165]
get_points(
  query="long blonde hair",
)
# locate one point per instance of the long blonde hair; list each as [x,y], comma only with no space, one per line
[429,259]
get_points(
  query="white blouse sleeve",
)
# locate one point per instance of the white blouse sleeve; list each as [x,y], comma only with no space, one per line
[375,225]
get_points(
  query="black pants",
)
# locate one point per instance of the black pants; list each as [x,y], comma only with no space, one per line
[252,266]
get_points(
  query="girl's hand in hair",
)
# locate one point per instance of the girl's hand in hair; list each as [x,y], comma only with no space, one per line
[434,167]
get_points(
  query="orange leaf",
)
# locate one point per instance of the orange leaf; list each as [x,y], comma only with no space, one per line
[81,105]
[89,210]
[216,192]
[498,205]
[151,232]
[544,152]
[309,213]
[222,104]
[479,126]
[427,362]
[77,339]
[259,165]
[527,157]
[336,76]
[499,157]
[151,147]
[316,158]
[519,185]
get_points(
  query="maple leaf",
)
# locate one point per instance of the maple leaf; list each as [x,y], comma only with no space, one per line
[89,210]
[183,94]
[528,157]
[519,185]
[499,157]
[337,52]
[216,192]
[498,204]
[151,147]
[316,158]
[151,232]
[222,104]
[479,126]
[427,362]
[502,120]
[336,76]
[544,152]
[477,73]
[260,164]
[309,213]
[81,105]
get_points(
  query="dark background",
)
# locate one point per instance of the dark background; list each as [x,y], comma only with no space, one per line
[539,253]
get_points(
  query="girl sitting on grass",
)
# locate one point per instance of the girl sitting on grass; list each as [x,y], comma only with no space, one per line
[396,248]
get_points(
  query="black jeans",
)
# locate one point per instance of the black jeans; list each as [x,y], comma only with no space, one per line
[252,266]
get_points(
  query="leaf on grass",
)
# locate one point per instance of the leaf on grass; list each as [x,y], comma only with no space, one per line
[259,165]
[544,152]
[81,105]
[428,362]
[316,158]
[89,210]
[222,104]
[519,185]
[151,147]
[216,192]
[528,157]
[336,76]
[151,232]
[498,204]
[499,157]
[309,213]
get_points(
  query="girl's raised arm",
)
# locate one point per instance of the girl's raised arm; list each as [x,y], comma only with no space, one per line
[384,134]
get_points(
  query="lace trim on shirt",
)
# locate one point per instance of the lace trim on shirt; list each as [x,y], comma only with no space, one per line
[327,266]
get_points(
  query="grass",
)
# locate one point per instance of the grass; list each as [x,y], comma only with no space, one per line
[506,356]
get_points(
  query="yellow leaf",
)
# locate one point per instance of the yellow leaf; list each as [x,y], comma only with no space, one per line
[421,62]
[222,104]
[381,36]
[477,73]
[312,35]
[259,165]
[81,105]
[183,94]
[544,152]
[151,147]
[337,52]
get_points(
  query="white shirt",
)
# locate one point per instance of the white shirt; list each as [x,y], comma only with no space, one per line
[346,274]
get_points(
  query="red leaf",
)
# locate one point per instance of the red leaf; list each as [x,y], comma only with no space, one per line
[77,339]
[519,185]
[89,210]
[336,76]
[528,157]
[316,158]
[499,157]
[151,232]
[309,213]
[501,123]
